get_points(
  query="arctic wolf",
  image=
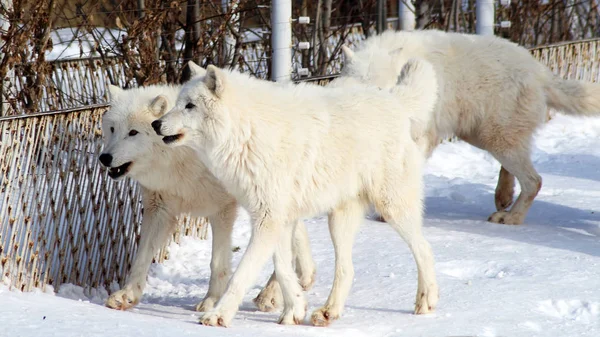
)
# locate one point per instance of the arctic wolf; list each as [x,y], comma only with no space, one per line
[175,182]
[493,94]
[292,151]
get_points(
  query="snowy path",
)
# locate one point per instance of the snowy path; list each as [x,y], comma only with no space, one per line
[539,279]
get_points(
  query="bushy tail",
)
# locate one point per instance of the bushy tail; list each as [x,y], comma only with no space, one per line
[574,97]
[417,92]
[417,89]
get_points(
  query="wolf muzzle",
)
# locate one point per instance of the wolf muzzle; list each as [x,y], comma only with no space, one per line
[106,159]
[156,126]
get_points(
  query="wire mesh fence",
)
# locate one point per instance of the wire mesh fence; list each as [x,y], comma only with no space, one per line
[62,219]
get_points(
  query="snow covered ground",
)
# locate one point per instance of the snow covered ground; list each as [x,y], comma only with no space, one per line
[538,279]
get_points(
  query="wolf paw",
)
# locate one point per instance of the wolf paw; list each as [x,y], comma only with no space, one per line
[506,218]
[269,299]
[503,201]
[324,316]
[292,317]
[426,300]
[307,282]
[123,299]
[214,319]
[207,304]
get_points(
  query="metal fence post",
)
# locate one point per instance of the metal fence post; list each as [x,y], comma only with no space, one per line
[406,15]
[281,40]
[485,15]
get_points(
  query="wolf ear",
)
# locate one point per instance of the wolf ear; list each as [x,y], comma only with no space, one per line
[195,69]
[396,53]
[159,106]
[215,80]
[348,53]
[114,92]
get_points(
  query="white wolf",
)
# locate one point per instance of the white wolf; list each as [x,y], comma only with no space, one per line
[293,151]
[175,182]
[493,94]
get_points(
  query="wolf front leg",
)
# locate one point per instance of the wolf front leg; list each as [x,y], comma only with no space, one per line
[157,225]
[270,298]
[220,263]
[265,233]
[344,222]
[293,298]
[305,265]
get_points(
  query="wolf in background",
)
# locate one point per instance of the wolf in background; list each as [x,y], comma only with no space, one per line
[493,95]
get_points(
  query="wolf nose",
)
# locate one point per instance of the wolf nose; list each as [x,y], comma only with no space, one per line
[156,126]
[106,159]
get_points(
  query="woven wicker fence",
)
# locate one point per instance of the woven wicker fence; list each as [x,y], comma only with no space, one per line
[62,219]
[82,82]
[572,60]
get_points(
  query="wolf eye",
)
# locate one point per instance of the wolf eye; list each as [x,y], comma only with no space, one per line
[133,132]
[112,129]
[190,106]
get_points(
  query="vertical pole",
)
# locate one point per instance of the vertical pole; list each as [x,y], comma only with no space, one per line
[305,53]
[406,15]
[379,24]
[6,83]
[281,40]
[196,31]
[229,42]
[141,9]
[484,14]
[191,36]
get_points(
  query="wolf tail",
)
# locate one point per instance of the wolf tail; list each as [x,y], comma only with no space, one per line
[573,97]
[417,89]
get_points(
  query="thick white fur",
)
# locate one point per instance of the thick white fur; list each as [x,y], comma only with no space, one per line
[174,182]
[293,151]
[493,94]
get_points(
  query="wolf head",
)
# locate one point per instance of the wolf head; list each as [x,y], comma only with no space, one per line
[131,146]
[374,66]
[200,115]
[129,141]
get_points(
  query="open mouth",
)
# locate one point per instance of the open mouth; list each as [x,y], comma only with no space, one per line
[173,138]
[117,172]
